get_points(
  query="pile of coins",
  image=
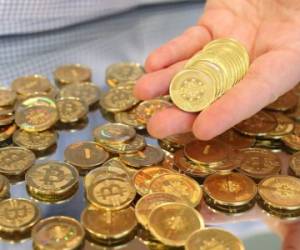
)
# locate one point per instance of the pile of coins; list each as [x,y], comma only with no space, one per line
[209,74]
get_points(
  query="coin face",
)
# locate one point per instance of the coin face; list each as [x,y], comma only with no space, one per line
[236,140]
[230,189]
[285,126]
[85,91]
[285,102]
[181,139]
[6,117]
[149,202]
[7,97]
[213,238]
[258,163]
[72,73]
[105,225]
[294,163]
[143,178]
[71,109]
[292,141]
[51,178]
[123,72]
[147,157]
[129,118]
[115,133]
[58,232]
[85,155]
[146,109]
[7,131]
[111,193]
[258,125]
[37,141]
[280,191]
[182,186]
[4,187]
[28,85]
[15,160]
[172,223]
[119,99]
[18,215]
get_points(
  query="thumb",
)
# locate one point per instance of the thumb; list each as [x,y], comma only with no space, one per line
[291,240]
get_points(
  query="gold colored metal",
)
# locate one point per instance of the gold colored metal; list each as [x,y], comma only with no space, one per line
[236,140]
[72,73]
[294,164]
[286,102]
[4,187]
[7,131]
[129,118]
[7,97]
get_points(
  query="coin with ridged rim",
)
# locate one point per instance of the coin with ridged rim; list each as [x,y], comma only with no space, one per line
[71,73]
[7,97]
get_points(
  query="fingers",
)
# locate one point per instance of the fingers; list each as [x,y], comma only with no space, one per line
[178,49]
[156,83]
[291,239]
[170,121]
[269,77]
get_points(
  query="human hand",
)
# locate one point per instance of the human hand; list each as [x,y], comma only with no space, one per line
[269,29]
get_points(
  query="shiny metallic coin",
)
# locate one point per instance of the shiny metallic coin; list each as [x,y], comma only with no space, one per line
[72,73]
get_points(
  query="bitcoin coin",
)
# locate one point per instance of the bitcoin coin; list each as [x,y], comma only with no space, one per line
[146,109]
[149,202]
[36,141]
[85,155]
[7,97]
[106,225]
[113,133]
[258,125]
[236,140]
[72,73]
[52,181]
[129,118]
[294,164]
[119,99]
[147,157]
[36,114]
[85,91]
[123,72]
[4,187]
[258,163]
[18,216]
[172,223]
[285,126]
[143,178]
[292,142]
[7,131]
[15,160]
[280,191]
[180,140]
[111,193]
[33,84]
[230,189]
[213,238]
[284,103]
[57,232]
[182,186]
[6,117]
[71,109]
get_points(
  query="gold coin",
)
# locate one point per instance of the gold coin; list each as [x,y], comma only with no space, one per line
[230,189]
[149,156]
[294,113]
[58,232]
[134,145]
[173,223]
[6,117]
[4,187]
[72,73]
[284,103]
[119,99]
[36,141]
[129,118]
[36,114]
[149,202]
[106,225]
[258,125]
[146,109]
[85,91]
[292,141]
[143,178]
[28,85]
[111,193]
[71,109]
[18,216]
[52,181]
[7,97]
[180,185]
[258,163]
[7,131]
[85,155]
[236,140]
[285,126]
[280,191]
[294,163]
[111,168]
[296,90]
[180,140]
[123,72]
[113,133]
[15,160]
[213,238]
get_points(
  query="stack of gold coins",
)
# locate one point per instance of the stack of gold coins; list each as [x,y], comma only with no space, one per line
[279,196]
[209,74]
[4,188]
[174,142]
[52,181]
[229,193]
[58,232]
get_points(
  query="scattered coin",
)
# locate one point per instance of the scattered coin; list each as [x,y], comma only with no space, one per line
[7,97]
[236,140]
[4,188]
[284,103]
